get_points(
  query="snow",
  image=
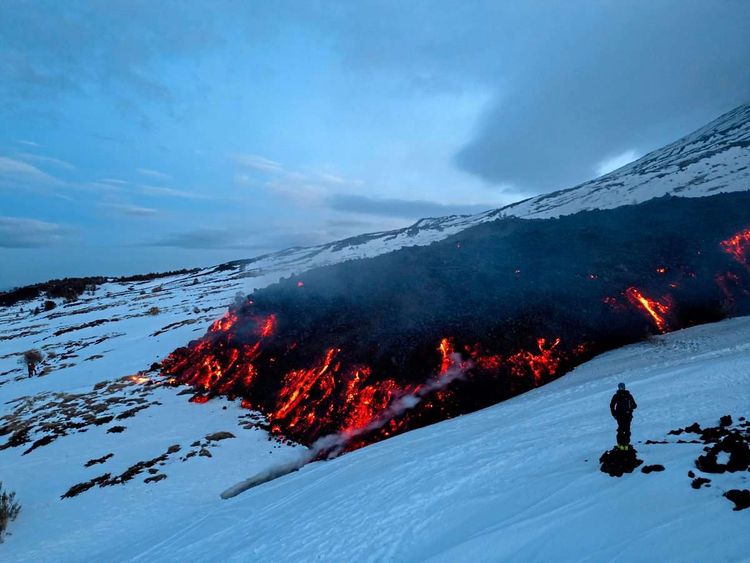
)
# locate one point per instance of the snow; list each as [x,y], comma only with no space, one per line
[517,481]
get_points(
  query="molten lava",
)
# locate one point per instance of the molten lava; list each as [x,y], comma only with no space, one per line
[657,310]
[738,246]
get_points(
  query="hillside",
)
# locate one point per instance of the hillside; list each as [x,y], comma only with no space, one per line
[518,480]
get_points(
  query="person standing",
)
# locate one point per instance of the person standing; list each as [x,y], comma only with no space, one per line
[622,406]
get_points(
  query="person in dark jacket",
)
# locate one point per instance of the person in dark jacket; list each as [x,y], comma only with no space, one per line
[622,406]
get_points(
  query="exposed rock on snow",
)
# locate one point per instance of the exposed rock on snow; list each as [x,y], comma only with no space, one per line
[617,462]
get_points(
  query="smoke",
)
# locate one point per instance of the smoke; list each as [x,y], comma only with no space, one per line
[332,445]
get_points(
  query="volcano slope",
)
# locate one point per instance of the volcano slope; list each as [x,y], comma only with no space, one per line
[518,481]
[510,304]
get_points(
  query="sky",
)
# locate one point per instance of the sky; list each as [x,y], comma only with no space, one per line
[140,136]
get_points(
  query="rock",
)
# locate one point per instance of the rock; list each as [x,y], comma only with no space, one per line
[97,460]
[616,462]
[652,468]
[691,474]
[725,420]
[205,453]
[738,448]
[694,428]
[173,449]
[155,478]
[740,498]
[216,436]
[699,482]
[115,429]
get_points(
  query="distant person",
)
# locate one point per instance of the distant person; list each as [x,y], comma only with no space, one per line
[622,406]
[32,369]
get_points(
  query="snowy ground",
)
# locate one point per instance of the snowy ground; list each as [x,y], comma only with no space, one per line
[517,481]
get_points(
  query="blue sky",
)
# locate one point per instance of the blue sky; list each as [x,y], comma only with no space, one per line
[141,136]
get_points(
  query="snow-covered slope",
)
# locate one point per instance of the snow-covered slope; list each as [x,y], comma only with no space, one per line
[517,481]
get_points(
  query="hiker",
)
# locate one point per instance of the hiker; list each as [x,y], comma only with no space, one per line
[32,369]
[622,406]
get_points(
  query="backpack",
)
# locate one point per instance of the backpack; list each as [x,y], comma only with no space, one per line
[622,403]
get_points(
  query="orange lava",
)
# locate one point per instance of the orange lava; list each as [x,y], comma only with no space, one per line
[657,310]
[738,246]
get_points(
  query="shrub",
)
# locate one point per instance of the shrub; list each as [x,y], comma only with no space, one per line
[49,305]
[9,509]
[153,311]
[32,357]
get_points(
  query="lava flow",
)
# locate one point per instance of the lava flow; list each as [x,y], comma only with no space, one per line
[657,310]
[332,394]
[320,368]
[739,247]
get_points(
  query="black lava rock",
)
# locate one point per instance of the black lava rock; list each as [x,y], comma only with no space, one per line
[617,462]
[652,468]
[699,482]
[740,498]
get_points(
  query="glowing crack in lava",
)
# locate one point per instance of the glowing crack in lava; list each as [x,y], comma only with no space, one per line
[657,310]
[738,246]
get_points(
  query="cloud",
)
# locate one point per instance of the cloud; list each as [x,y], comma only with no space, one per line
[46,160]
[618,161]
[255,162]
[27,143]
[153,173]
[571,83]
[18,169]
[300,187]
[133,210]
[414,209]
[17,232]
[168,192]
[206,238]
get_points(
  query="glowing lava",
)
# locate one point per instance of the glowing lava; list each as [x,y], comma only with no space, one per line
[657,310]
[738,246]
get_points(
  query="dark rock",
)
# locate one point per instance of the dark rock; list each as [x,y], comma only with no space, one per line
[694,428]
[652,468]
[725,420]
[616,462]
[740,498]
[76,490]
[216,436]
[736,445]
[691,474]
[656,442]
[115,429]
[195,444]
[153,470]
[699,482]
[155,478]
[173,449]
[97,460]
[205,453]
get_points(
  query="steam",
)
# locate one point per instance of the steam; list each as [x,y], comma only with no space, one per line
[333,445]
